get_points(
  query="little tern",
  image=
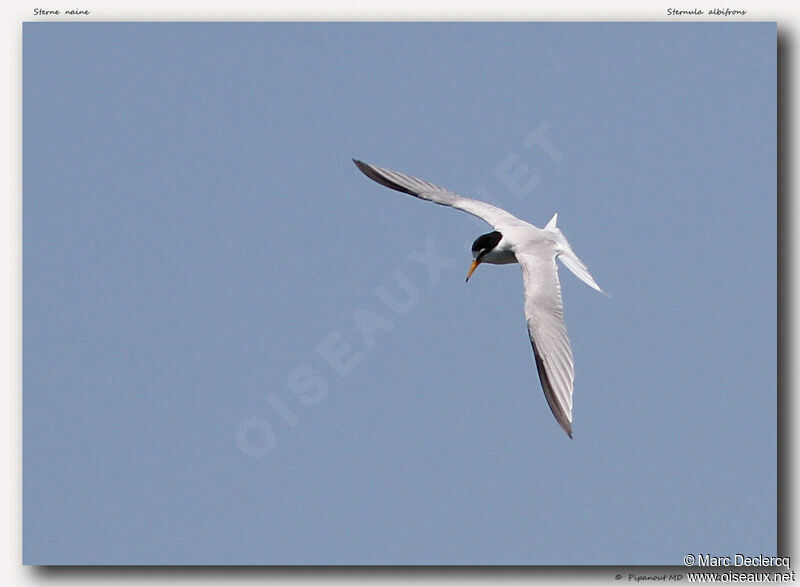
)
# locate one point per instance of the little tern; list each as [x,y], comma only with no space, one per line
[535,249]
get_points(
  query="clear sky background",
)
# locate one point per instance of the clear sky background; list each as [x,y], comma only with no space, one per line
[240,350]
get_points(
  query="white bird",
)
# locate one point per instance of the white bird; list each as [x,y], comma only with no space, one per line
[535,249]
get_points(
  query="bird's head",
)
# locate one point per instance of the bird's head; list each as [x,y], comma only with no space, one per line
[482,246]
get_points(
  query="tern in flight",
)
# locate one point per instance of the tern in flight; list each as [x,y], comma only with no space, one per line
[535,249]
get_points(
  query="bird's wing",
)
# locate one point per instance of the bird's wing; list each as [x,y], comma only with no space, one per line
[547,331]
[427,191]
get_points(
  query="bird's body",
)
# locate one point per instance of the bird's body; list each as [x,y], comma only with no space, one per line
[535,249]
[517,238]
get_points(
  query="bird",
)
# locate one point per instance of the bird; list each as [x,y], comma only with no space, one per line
[535,250]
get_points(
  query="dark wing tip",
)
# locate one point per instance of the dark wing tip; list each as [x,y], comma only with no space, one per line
[375,175]
[363,167]
[549,394]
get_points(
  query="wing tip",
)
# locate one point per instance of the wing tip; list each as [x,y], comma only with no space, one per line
[563,416]
[565,421]
[365,168]
[379,175]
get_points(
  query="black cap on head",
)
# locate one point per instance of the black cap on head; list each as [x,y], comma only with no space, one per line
[486,242]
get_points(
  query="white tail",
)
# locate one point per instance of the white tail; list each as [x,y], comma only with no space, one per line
[568,257]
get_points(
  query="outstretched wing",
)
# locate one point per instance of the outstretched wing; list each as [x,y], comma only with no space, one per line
[547,331]
[427,191]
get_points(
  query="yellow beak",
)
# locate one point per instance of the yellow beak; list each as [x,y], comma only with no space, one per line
[472,268]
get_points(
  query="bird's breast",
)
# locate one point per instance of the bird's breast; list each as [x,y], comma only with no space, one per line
[499,256]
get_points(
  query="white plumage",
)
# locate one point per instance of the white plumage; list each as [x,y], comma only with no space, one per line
[536,250]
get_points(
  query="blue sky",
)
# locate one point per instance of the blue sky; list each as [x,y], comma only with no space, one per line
[239,350]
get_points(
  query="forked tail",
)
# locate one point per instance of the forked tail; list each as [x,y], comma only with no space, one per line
[568,257]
